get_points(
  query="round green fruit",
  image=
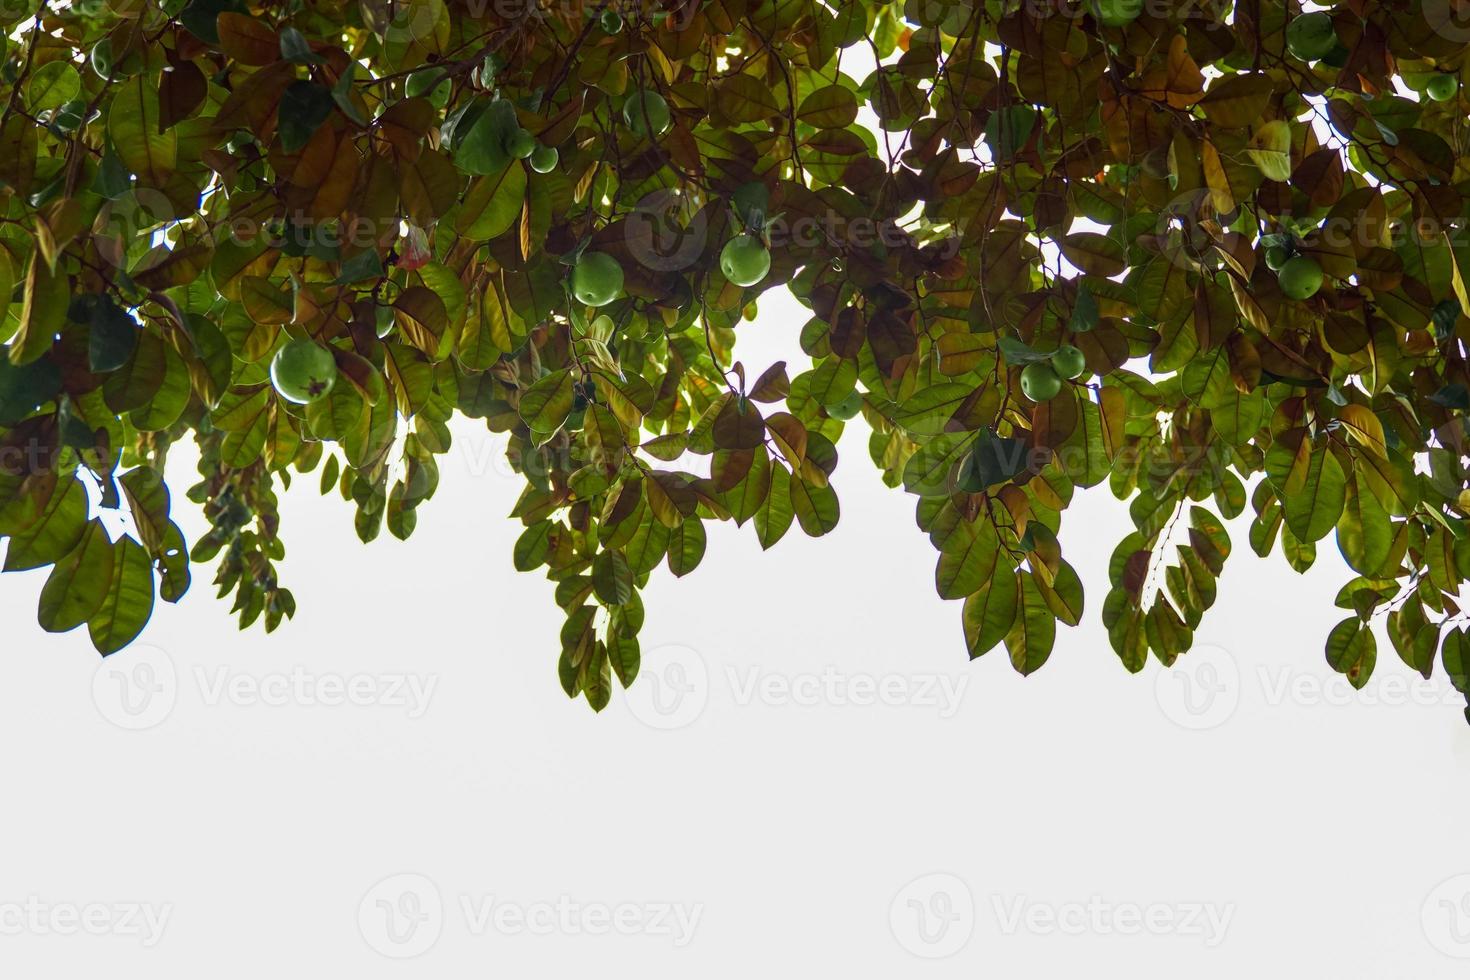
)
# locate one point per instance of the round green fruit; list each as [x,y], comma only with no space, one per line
[847,408]
[303,371]
[597,279]
[1117,13]
[1337,57]
[611,22]
[1069,362]
[521,144]
[1039,382]
[1311,36]
[544,159]
[1442,88]
[647,114]
[744,260]
[1300,278]
[1276,257]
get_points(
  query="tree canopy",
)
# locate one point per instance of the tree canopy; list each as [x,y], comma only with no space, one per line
[1210,254]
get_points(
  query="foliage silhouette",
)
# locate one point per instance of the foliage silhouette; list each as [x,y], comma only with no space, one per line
[432,190]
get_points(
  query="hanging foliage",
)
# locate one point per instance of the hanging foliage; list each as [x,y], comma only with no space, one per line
[1210,254]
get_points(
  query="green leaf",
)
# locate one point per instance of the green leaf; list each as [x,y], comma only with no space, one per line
[1034,629]
[148,502]
[304,107]
[481,148]
[1064,595]
[1364,532]
[623,656]
[129,601]
[1455,653]
[832,381]
[686,547]
[133,126]
[51,85]
[79,583]
[775,514]
[1352,651]
[531,547]
[295,48]
[1313,509]
[1084,311]
[112,338]
[492,204]
[967,559]
[54,533]
[815,507]
[167,401]
[43,313]
[25,388]
[547,403]
[928,471]
[999,459]
[990,610]
[612,579]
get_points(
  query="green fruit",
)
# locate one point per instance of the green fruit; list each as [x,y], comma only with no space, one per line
[611,22]
[744,260]
[544,159]
[1300,278]
[1442,88]
[597,279]
[1337,57]
[1069,362]
[1039,382]
[647,114]
[1311,36]
[1117,13]
[520,144]
[1276,257]
[1008,129]
[303,371]
[847,408]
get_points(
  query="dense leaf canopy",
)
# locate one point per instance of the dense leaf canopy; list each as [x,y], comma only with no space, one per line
[1212,255]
